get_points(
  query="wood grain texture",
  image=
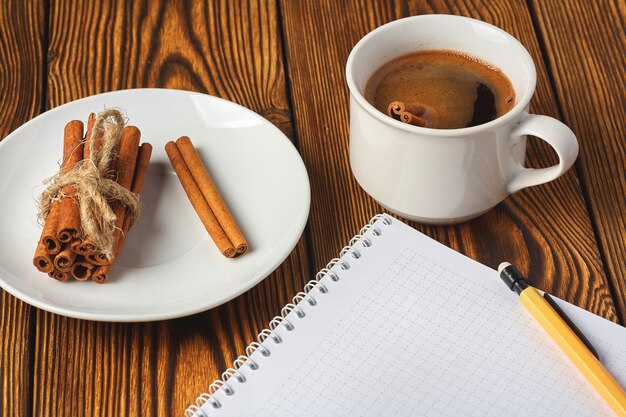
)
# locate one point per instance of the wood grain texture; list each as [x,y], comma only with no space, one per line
[585,47]
[16,338]
[546,226]
[104,369]
[22,33]
[235,51]
[22,40]
[318,38]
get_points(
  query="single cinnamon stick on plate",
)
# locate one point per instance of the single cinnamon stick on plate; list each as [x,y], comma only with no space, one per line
[198,201]
[101,273]
[211,194]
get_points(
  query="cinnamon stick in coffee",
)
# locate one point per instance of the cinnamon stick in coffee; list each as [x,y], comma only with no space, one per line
[101,273]
[410,113]
[211,194]
[199,203]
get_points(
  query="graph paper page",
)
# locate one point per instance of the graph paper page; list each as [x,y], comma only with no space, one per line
[415,329]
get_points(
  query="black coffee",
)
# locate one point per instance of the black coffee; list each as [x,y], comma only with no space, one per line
[455,89]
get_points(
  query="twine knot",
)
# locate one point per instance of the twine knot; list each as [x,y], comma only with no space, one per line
[94,190]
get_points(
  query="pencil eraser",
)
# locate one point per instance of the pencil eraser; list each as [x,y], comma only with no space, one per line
[502,266]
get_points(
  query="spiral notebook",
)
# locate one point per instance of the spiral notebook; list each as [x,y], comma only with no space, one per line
[400,325]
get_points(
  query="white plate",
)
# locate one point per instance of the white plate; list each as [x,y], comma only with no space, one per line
[169,266]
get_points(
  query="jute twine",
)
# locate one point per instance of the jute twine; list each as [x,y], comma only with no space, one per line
[95,192]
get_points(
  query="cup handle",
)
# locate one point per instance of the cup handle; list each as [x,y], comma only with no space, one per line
[558,135]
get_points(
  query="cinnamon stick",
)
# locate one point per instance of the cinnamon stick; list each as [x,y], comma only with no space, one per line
[69,214]
[211,194]
[97,259]
[101,274]
[90,123]
[410,113]
[83,246]
[88,246]
[82,270]
[141,170]
[125,169]
[49,242]
[59,276]
[64,260]
[200,205]
[42,260]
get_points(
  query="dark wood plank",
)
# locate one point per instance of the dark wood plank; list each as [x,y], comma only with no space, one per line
[22,36]
[104,369]
[585,46]
[22,65]
[547,226]
[16,339]
[318,38]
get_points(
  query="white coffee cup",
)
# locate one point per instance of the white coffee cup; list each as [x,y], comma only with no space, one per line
[446,176]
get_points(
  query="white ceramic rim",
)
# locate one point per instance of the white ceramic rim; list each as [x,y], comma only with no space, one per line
[184,312]
[519,107]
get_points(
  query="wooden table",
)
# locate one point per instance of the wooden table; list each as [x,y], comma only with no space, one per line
[285,60]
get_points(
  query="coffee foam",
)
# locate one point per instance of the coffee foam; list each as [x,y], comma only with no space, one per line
[444,80]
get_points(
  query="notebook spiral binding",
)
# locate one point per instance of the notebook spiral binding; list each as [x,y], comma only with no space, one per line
[194,410]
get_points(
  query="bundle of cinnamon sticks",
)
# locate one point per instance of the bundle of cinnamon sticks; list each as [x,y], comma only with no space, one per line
[64,251]
[205,198]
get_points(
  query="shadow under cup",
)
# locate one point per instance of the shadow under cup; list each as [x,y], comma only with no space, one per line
[436,175]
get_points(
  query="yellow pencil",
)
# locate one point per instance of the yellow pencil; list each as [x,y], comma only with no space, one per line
[566,338]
